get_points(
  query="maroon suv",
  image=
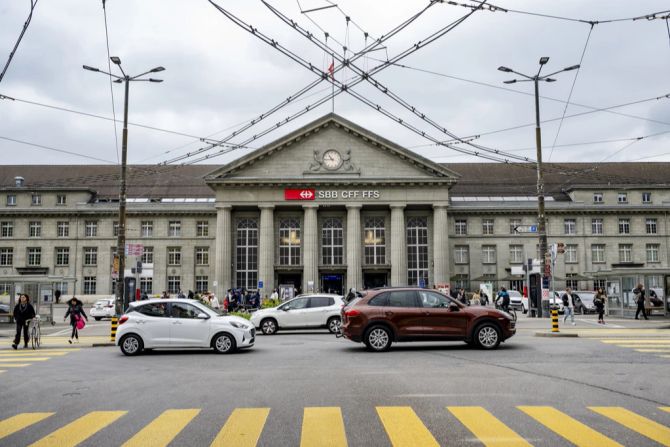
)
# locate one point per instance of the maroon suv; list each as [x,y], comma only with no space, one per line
[383,316]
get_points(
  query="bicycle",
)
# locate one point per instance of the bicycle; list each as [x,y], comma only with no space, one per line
[35,332]
[509,310]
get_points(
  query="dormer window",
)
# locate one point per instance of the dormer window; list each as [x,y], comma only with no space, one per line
[597,197]
[622,197]
[36,200]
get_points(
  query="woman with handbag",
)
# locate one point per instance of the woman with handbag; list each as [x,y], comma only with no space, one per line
[639,300]
[77,315]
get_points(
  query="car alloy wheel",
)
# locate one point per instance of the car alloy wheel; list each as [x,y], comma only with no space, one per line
[488,337]
[224,343]
[334,325]
[269,326]
[378,339]
[131,345]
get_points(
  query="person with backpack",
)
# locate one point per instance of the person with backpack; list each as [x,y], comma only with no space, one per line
[568,306]
[23,313]
[503,296]
[77,315]
[640,300]
[599,301]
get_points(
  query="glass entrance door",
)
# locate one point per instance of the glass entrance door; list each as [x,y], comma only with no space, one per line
[377,279]
[332,283]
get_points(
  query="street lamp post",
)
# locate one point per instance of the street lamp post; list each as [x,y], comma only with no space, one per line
[122,300]
[541,221]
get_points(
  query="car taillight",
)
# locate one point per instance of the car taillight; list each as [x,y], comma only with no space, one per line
[352,313]
[123,319]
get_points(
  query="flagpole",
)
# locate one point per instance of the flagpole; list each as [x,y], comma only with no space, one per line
[332,85]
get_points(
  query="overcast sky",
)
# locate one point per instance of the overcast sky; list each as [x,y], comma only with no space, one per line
[219,77]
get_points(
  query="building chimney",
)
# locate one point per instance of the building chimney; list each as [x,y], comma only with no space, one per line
[19,181]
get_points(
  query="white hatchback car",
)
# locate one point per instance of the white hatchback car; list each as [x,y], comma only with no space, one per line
[303,311]
[181,323]
[103,309]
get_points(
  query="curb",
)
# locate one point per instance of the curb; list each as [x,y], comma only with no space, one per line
[556,334]
[102,345]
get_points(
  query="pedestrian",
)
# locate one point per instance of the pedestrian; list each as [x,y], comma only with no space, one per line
[599,301]
[57,294]
[191,295]
[639,300]
[503,296]
[351,295]
[23,313]
[77,315]
[145,296]
[181,294]
[165,295]
[568,306]
[214,301]
[462,297]
[647,304]
[476,300]
[483,298]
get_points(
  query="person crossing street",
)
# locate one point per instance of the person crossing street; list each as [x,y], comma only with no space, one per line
[23,313]
[77,315]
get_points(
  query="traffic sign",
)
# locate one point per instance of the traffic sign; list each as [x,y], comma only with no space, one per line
[525,229]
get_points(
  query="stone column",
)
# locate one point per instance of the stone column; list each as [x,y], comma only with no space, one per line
[224,250]
[440,245]
[398,247]
[266,250]
[310,240]
[354,242]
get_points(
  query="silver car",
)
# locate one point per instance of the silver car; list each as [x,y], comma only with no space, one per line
[302,312]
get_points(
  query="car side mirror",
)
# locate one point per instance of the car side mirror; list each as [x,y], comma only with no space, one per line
[454,307]
[203,316]
[285,308]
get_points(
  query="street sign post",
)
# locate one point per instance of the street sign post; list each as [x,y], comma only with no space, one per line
[519,229]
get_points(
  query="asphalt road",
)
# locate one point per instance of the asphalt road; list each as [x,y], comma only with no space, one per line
[381,397]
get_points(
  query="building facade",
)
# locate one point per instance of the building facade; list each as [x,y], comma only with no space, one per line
[331,206]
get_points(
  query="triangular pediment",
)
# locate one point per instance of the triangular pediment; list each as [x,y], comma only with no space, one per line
[332,149]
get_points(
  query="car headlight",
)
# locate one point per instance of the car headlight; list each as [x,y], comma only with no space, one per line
[238,325]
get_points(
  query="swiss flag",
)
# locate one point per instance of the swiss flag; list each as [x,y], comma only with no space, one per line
[331,70]
[299,194]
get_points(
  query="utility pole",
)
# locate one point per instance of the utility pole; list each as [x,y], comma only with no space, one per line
[541,220]
[121,299]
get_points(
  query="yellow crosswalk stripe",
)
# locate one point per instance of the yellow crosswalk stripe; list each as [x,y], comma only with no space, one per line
[323,427]
[665,409]
[19,422]
[33,353]
[567,427]
[644,345]
[488,429]
[633,421]
[654,350]
[652,341]
[162,430]
[79,430]
[13,365]
[24,359]
[404,428]
[243,428]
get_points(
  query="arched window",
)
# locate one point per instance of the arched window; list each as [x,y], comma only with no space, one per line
[332,242]
[417,251]
[289,242]
[246,264]
[374,242]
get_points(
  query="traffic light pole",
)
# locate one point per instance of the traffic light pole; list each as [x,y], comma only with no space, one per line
[541,224]
[121,299]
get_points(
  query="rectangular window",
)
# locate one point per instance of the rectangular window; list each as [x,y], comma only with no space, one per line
[115,228]
[487,226]
[201,284]
[572,283]
[6,256]
[174,228]
[6,229]
[625,252]
[571,253]
[488,254]
[569,226]
[375,241]
[34,256]
[246,260]
[462,280]
[622,197]
[201,255]
[36,200]
[35,229]
[62,256]
[513,223]
[646,197]
[417,251]
[90,256]
[174,284]
[598,253]
[61,199]
[91,228]
[147,228]
[289,242]
[332,242]
[461,227]
[90,285]
[652,252]
[624,226]
[516,254]
[600,284]
[650,225]
[147,255]
[174,255]
[596,226]
[202,228]
[597,197]
[11,199]
[63,229]
[6,288]
[461,254]
[147,285]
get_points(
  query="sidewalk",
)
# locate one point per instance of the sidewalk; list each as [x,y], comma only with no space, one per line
[587,326]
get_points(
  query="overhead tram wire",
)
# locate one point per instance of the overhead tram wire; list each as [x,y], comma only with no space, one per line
[385,90]
[394,31]
[572,88]
[33,3]
[53,149]
[111,90]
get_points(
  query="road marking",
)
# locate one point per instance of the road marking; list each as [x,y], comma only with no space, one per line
[652,341]
[19,354]
[162,430]
[404,428]
[323,427]
[643,345]
[80,429]
[667,350]
[19,422]
[24,359]
[610,325]
[488,429]
[243,428]
[568,427]
[647,427]
[13,365]
[665,409]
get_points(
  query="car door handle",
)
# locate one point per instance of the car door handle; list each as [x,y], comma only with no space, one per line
[177,322]
[141,321]
[388,313]
[426,313]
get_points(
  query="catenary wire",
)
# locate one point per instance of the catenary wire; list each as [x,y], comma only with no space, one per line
[33,3]
[62,151]
[111,89]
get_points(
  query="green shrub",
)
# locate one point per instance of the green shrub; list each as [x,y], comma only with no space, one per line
[245,315]
[270,303]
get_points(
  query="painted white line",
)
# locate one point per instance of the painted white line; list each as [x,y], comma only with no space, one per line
[69,329]
[606,325]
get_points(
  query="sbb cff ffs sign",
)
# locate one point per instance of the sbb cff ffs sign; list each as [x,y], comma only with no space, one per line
[299,194]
